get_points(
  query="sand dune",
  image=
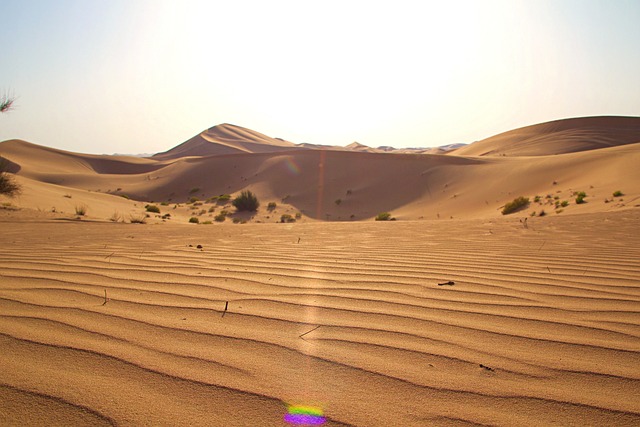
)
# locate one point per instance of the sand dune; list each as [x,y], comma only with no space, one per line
[452,315]
[347,185]
[541,325]
[558,137]
[226,139]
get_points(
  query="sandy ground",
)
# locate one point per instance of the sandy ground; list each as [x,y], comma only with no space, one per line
[540,324]
[452,315]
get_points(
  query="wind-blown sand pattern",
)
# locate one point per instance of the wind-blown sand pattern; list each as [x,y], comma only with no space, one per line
[452,315]
[540,326]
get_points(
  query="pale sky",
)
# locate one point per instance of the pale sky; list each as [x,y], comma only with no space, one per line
[142,76]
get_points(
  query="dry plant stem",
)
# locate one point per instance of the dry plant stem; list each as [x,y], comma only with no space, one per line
[308,332]
[226,307]
[106,300]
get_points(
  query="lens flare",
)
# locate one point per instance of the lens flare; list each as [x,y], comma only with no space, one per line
[292,166]
[304,415]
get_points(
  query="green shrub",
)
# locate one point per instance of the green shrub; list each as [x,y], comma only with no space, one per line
[8,185]
[223,198]
[220,217]
[271,206]
[384,216]
[193,200]
[125,196]
[246,201]
[515,205]
[536,199]
[580,197]
[618,193]
[152,208]
[81,210]
[194,220]
[298,215]
[287,218]
[564,203]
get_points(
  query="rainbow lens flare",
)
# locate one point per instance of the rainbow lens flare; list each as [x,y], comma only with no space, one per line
[304,415]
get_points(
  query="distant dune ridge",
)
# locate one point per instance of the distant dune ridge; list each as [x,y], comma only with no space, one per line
[452,315]
[354,182]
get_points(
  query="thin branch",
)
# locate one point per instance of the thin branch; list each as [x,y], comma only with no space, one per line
[308,332]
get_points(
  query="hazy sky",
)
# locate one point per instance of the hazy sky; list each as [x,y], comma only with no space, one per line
[136,76]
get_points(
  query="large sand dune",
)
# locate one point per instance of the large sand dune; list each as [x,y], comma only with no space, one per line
[327,184]
[452,315]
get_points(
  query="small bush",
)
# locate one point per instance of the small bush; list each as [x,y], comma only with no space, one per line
[194,220]
[116,217]
[220,217]
[271,206]
[81,210]
[564,203]
[542,213]
[580,197]
[298,215]
[287,218]
[618,193]
[193,200]
[152,208]
[246,201]
[384,216]
[164,203]
[8,185]
[536,199]
[137,219]
[207,223]
[515,205]
[223,198]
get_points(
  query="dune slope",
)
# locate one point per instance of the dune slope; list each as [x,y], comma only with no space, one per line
[558,137]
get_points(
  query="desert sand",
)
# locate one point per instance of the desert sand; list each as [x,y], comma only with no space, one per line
[453,314]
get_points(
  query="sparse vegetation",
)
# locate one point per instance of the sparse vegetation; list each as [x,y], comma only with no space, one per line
[384,216]
[6,103]
[564,203]
[271,206]
[125,196]
[193,200]
[246,201]
[152,208]
[138,219]
[298,215]
[81,210]
[618,193]
[194,220]
[8,185]
[221,217]
[116,217]
[224,198]
[515,205]
[287,218]
[580,197]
